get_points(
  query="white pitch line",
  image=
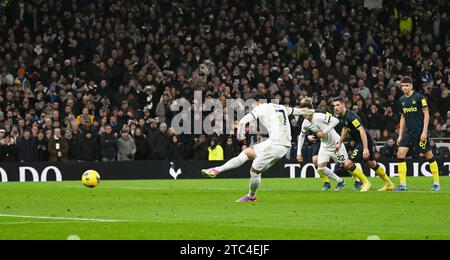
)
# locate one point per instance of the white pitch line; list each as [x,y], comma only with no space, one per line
[61,218]
[37,222]
[135,188]
[212,189]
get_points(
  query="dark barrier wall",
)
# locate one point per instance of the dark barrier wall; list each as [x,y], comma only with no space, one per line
[180,170]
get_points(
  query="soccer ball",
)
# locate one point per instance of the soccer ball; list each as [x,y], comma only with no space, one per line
[90,179]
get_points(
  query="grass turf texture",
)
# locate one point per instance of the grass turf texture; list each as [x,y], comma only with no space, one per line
[205,209]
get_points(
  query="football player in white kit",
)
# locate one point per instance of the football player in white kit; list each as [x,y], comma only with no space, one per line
[264,155]
[323,126]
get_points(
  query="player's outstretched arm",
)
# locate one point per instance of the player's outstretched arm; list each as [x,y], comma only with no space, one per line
[300,111]
[242,123]
[331,121]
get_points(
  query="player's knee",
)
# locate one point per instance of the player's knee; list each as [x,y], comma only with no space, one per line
[243,157]
[348,165]
[429,156]
[250,153]
[372,164]
[321,165]
[339,168]
[401,154]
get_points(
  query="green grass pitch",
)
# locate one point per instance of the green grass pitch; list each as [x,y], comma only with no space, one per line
[205,209]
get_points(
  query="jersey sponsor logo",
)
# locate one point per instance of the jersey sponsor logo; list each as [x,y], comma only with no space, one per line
[409,110]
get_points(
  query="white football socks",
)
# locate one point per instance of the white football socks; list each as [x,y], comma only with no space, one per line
[328,172]
[234,163]
[255,181]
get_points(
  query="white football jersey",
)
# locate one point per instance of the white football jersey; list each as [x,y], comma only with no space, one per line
[322,122]
[275,118]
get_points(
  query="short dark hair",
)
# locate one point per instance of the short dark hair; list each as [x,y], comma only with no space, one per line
[260,97]
[406,80]
[339,99]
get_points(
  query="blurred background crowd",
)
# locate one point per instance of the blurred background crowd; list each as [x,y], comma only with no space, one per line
[95,80]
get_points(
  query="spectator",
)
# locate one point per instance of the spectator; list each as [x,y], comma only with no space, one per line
[58,147]
[88,148]
[42,150]
[176,149]
[447,123]
[2,134]
[200,149]
[73,142]
[27,148]
[161,143]
[376,122]
[163,108]
[125,147]
[55,66]
[447,132]
[406,24]
[108,145]
[215,151]
[435,149]
[141,145]
[390,123]
[389,150]
[443,103]
[150,134]
[188,145]
[8,150]
[114,123]
[230,149]
[437,131]
[363,90]
[85,119]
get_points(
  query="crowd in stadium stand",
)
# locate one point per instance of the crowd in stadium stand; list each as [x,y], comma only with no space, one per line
[95,80]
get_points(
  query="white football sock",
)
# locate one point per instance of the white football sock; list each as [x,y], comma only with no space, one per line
[328,172]
[255,181]
[234,163]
